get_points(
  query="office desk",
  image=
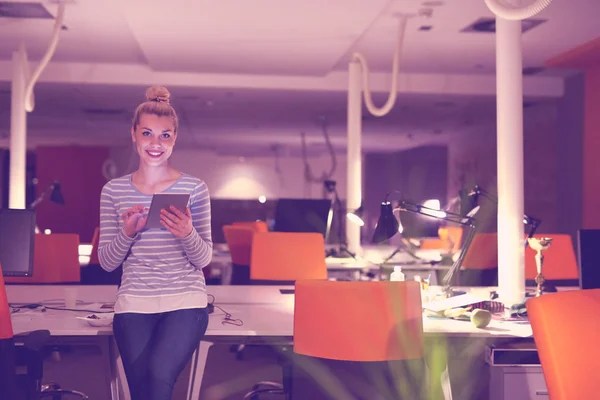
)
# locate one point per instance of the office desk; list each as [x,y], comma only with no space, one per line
[371,260]
[267,317]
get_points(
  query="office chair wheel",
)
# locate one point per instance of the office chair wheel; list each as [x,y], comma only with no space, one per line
[264,387]
[238,349]
[61,394]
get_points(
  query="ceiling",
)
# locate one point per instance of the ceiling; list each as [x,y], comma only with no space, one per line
[254,60]
[243,118]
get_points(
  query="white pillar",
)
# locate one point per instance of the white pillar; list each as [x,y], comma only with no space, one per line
[18,132]
[509,81]
[354,156]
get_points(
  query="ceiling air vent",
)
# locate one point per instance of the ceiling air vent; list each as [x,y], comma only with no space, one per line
[23,10]
[488,25]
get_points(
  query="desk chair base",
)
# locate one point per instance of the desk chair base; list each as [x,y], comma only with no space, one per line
[53,391]
[264,387]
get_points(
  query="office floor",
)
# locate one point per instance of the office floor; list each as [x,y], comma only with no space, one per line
[226,378]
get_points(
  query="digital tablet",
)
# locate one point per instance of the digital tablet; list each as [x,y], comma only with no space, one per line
[165,201]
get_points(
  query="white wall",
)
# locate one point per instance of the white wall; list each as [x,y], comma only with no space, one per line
[235,177]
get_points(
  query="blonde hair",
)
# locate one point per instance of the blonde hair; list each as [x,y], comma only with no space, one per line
[157,103]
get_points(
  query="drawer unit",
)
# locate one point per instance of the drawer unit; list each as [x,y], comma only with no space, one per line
[516,374]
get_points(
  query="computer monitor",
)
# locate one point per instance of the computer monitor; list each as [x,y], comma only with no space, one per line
[303,215]
[17,236]
[588,241]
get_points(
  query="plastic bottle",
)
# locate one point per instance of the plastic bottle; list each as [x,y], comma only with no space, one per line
[397,275]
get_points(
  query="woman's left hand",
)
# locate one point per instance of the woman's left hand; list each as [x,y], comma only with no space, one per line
[176,222]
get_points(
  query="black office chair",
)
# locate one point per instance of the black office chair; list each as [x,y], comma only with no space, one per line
[30,355]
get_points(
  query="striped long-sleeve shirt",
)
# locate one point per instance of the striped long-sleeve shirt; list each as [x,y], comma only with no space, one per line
[160,271]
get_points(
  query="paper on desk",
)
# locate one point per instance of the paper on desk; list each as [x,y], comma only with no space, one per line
[515,328]
[453,302]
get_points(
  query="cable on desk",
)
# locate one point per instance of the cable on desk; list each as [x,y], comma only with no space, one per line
[228,318]
[33,306]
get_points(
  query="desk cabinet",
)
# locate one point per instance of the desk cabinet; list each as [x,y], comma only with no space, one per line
[518,383]
[515,374]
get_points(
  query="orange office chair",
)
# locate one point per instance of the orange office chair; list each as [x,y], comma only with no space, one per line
[480,265]
[449,239]
[560,263]
[565,328]
[239,241]
[355,340]
[284,257]
[258,226]
[7,347]
[452,236]
[55,260]
[28,355]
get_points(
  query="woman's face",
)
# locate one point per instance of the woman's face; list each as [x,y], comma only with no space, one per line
[154,139]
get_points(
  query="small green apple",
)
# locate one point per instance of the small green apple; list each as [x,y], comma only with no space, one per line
[481,318]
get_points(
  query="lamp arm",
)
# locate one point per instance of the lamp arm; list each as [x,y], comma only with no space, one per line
[478,190]
[458,263]
[488,196]
[449,216]
[41,197]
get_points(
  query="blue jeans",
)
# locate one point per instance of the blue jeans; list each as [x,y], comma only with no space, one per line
[155,348]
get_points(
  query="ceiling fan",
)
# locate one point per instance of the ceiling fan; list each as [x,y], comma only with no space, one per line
[516,9]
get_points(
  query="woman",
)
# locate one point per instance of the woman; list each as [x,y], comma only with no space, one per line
[161,308]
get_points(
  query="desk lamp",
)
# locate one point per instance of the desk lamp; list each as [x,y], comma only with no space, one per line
[342,251]
[534,223]
[357,215]
[55,195]
[387,227]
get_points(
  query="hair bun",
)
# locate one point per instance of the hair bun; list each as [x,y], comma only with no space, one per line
[159,94]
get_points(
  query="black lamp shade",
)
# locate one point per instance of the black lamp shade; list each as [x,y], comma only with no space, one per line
[56,195]
[387,225]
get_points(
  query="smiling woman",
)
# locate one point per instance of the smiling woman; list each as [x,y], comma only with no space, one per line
[161,307]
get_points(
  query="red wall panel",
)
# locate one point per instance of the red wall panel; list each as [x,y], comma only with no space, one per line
[79,171]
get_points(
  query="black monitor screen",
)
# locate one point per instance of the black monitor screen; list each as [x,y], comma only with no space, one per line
[17,235]
[303,215]
[589,267]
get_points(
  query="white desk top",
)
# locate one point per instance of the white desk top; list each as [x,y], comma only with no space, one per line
[264,311]
[371,257]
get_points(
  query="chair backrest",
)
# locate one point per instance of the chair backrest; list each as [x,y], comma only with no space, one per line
[560,262]
[452,235]
[565,328]
[258,226]
[94,253]
[6,330]
[449,239]
[358,321]
[483,252]
[55,260]
[7,346]
[239,241]
[288,256]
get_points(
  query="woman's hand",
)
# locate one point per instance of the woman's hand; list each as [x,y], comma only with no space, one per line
[135,220]
[176,222]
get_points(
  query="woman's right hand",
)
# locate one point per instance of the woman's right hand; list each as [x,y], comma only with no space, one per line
[134,219]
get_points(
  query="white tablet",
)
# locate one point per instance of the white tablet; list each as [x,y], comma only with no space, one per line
[164,201]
